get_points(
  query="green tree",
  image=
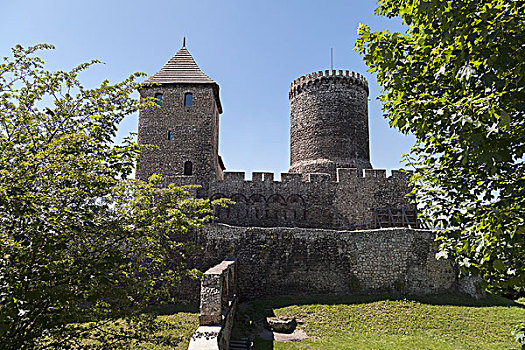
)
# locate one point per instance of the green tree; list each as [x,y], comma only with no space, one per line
[79,241]
[455,79]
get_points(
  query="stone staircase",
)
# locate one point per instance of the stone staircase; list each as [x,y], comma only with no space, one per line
[240,344]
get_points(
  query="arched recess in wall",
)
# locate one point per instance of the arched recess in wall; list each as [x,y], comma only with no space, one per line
[240,208]
[276,207]
[296,207]
[257,207]
[188,168]
[257,198]
[217,196]
[239,197]
[219,211]
[277,199]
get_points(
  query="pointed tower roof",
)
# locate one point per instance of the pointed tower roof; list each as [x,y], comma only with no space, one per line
[181,68]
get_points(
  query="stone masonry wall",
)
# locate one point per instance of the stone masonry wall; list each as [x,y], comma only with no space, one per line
[283,261]
[218,303]
[193,132]
[347,203]
[329,123]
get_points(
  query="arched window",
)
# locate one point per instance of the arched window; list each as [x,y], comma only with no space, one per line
[158,99]
[188,168]
[188,99]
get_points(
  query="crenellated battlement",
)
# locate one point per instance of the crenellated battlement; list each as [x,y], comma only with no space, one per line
[343,175]
[315,200]
[320,77]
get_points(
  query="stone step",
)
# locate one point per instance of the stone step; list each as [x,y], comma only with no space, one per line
[239,344]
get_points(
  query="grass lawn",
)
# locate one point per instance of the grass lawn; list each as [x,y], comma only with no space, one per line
[371,322]
[176,325]
[179,327]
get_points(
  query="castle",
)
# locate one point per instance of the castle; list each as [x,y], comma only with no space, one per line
[330,184]
[332,224]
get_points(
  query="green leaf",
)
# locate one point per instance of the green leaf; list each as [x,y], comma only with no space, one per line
[498,265]
[460,68]
[504,119]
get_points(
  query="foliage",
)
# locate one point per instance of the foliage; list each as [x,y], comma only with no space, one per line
[456,81]
[172,330]
[519,334]
[78,240]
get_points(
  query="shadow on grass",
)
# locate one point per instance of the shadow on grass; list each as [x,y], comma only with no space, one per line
[263,308]
[169,309]
[439,299]
[251,316]
[263,344]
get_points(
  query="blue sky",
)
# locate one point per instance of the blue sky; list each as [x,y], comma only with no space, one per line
[253,49]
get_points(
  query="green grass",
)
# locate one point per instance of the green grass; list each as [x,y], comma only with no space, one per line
[368,322]
[178,329]
[175,325]
[180,326]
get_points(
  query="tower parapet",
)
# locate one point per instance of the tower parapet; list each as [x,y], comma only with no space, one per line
[348,77]
[329,122]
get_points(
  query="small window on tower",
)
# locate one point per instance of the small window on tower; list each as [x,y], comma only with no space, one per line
[170,135]
[188,99]
[188,168]
[158,99]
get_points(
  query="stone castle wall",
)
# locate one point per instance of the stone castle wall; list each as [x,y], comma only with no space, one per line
[347,203]
[218,304]
[283,261]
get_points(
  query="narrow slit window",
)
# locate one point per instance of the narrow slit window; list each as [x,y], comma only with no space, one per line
[188,168]
[188,99]
[158,99]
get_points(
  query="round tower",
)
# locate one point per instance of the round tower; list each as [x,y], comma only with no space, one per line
[329,122]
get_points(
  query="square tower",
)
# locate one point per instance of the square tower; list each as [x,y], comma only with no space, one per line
[184,129]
